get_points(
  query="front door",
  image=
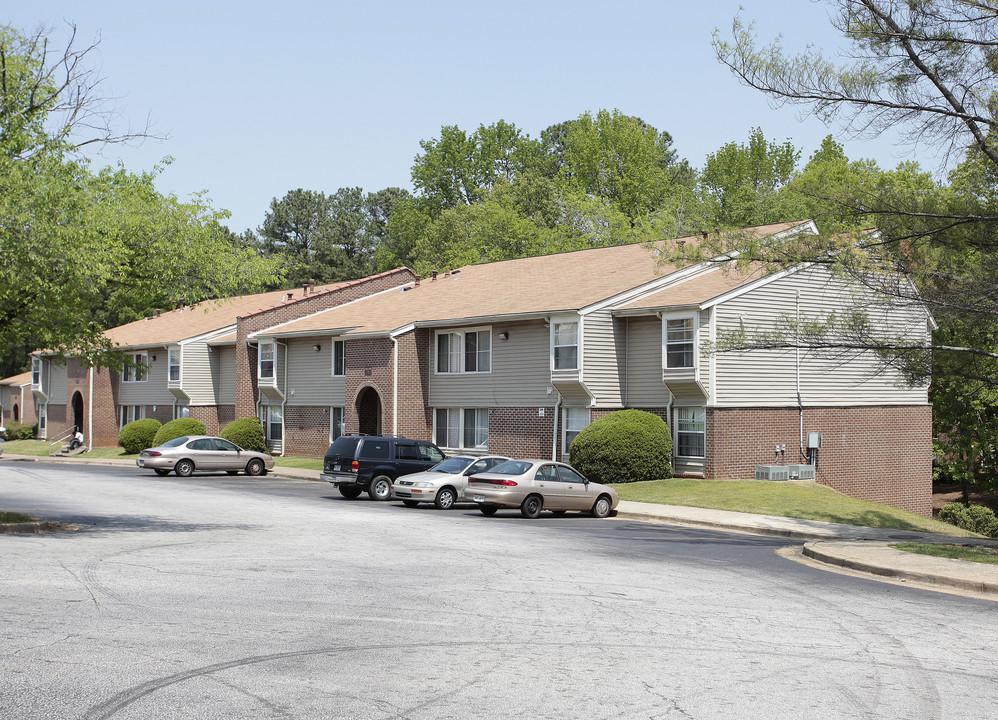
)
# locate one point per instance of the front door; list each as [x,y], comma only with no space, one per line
[78,410]
[369,412]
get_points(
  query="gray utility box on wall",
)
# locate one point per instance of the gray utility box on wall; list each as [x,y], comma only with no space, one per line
[772,472]
[801,472]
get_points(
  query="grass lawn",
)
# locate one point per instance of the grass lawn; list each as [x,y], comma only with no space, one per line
[41,447]
[299,462]
[14,517]
[805,500]
[956,552]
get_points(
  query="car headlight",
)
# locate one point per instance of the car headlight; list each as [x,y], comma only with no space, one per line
[423,484]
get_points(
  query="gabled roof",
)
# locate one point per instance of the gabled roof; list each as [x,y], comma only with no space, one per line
[534,286]
[17,380]
[697,290]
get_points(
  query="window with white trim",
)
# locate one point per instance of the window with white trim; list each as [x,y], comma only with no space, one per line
[265,361]
[337,423]
[135,369]
[273,422]
[130,413]
[181,411]
[690,439]
[339,358]
[464,351]
[680,336]
[574,420]
[36,372]
[43,421]
[462,428]
[566,345]
[173,361]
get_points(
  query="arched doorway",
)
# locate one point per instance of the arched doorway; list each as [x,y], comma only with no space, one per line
[17,413]
[369,412]
[78,410]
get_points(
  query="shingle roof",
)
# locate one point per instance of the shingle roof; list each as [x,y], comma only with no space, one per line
[21,379]
[718,281]
[535,285]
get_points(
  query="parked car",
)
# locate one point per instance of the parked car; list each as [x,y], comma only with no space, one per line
[536,485]
[203,453]
[355,463]
[444,483]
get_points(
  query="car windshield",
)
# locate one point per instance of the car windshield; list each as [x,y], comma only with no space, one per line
[452,465]
[175,442]
[511,467]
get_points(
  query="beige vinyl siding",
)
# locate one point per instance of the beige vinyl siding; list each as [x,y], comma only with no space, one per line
[520,377]
[153,390]
[55,382]
[310,374]
[224,372]
[644,386]
[830,377]
[603,358]
[197,380]
[703,354]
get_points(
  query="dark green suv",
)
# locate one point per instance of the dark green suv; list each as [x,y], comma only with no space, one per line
[355,463]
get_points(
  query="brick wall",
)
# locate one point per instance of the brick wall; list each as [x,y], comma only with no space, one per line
[415,417]
[879,453]
[214,417]
[368,364]
[104,408]
[306,431]
[520,432]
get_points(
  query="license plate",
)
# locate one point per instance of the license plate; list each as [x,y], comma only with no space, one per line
[336,468]
[478,498]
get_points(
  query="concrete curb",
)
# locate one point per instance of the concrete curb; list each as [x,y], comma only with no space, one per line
[34,528]
[789,533]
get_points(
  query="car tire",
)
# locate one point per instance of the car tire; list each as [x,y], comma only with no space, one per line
[488,510]
[380,488]
[161,472]
[446,497]
[601,508]
[350,492]
[411,503]
[255,467]
[532,506]
[184,468]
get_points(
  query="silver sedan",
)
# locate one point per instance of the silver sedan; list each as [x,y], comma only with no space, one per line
[203,453]
[443,484]
[536,485]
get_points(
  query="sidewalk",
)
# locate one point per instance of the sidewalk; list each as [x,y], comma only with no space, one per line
[852,547]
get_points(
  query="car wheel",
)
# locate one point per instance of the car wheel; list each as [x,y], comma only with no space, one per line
[349,492]
[410,503]
[231,472]
[161,472]
[601,508]
[381,488]
[445,498]
[532,506]
[184,468]
[559,512]
[488,510]
[255,467]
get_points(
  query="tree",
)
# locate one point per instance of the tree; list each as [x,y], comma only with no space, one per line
[297,229]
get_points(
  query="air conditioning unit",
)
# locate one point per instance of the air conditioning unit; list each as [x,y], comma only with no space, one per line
[772,472]
[801,472]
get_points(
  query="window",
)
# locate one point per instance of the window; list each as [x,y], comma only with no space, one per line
[679,337]
[548,473]
[566,346]
[568,475]
[265,368]
[462,428]
[202,444]
[135,367]
[468,351]
[274,422]
[36,372]
[430,453]
[173,360]
[339,357]
[181,411]
[690,432]
[225,445]
[374,449]
[130,413]
[406,451]
[574,419]
[337,423]
[42,428]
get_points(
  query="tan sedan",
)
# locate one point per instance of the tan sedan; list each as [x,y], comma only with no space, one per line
[536,485]
[203,453]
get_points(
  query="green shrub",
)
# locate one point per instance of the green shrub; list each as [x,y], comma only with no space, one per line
[178,428]
[975,518]
[17,430]
[247,433]
[138,435]
[624,446]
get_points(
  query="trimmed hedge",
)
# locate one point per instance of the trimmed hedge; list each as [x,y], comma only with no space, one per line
[178,428]
[624,446]
[138,435]
[976,518]
[247,433]
[17,430]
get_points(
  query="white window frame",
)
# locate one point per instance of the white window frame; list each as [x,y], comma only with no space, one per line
[130,413]
[568,427]
[36,372]
[268,411]
[555,323]
[271,347]
[181,411]
[337,422]
[174,359]
[676,429]
[43,430]
[137,373]
[694,317]
[461,427]
[339,350]
[457,354]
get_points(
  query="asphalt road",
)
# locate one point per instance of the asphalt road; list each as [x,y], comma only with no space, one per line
[219,597]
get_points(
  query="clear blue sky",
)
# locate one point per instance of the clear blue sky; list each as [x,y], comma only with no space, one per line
[259,98]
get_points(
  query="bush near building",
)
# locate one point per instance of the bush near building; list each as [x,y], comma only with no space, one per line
[17,430]
[178,428]
[975,518]
[622,447]
[247,433]
[138,435]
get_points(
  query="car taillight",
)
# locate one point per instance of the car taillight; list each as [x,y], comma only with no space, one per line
[509,483]
[153,453]
[354,466]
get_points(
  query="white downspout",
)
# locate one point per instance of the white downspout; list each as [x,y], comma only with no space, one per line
[557,417]
[800,404]
[90,414]
[284,398]
[395,386]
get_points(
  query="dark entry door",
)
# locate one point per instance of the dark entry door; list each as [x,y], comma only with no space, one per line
[369,412]
[78,410]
